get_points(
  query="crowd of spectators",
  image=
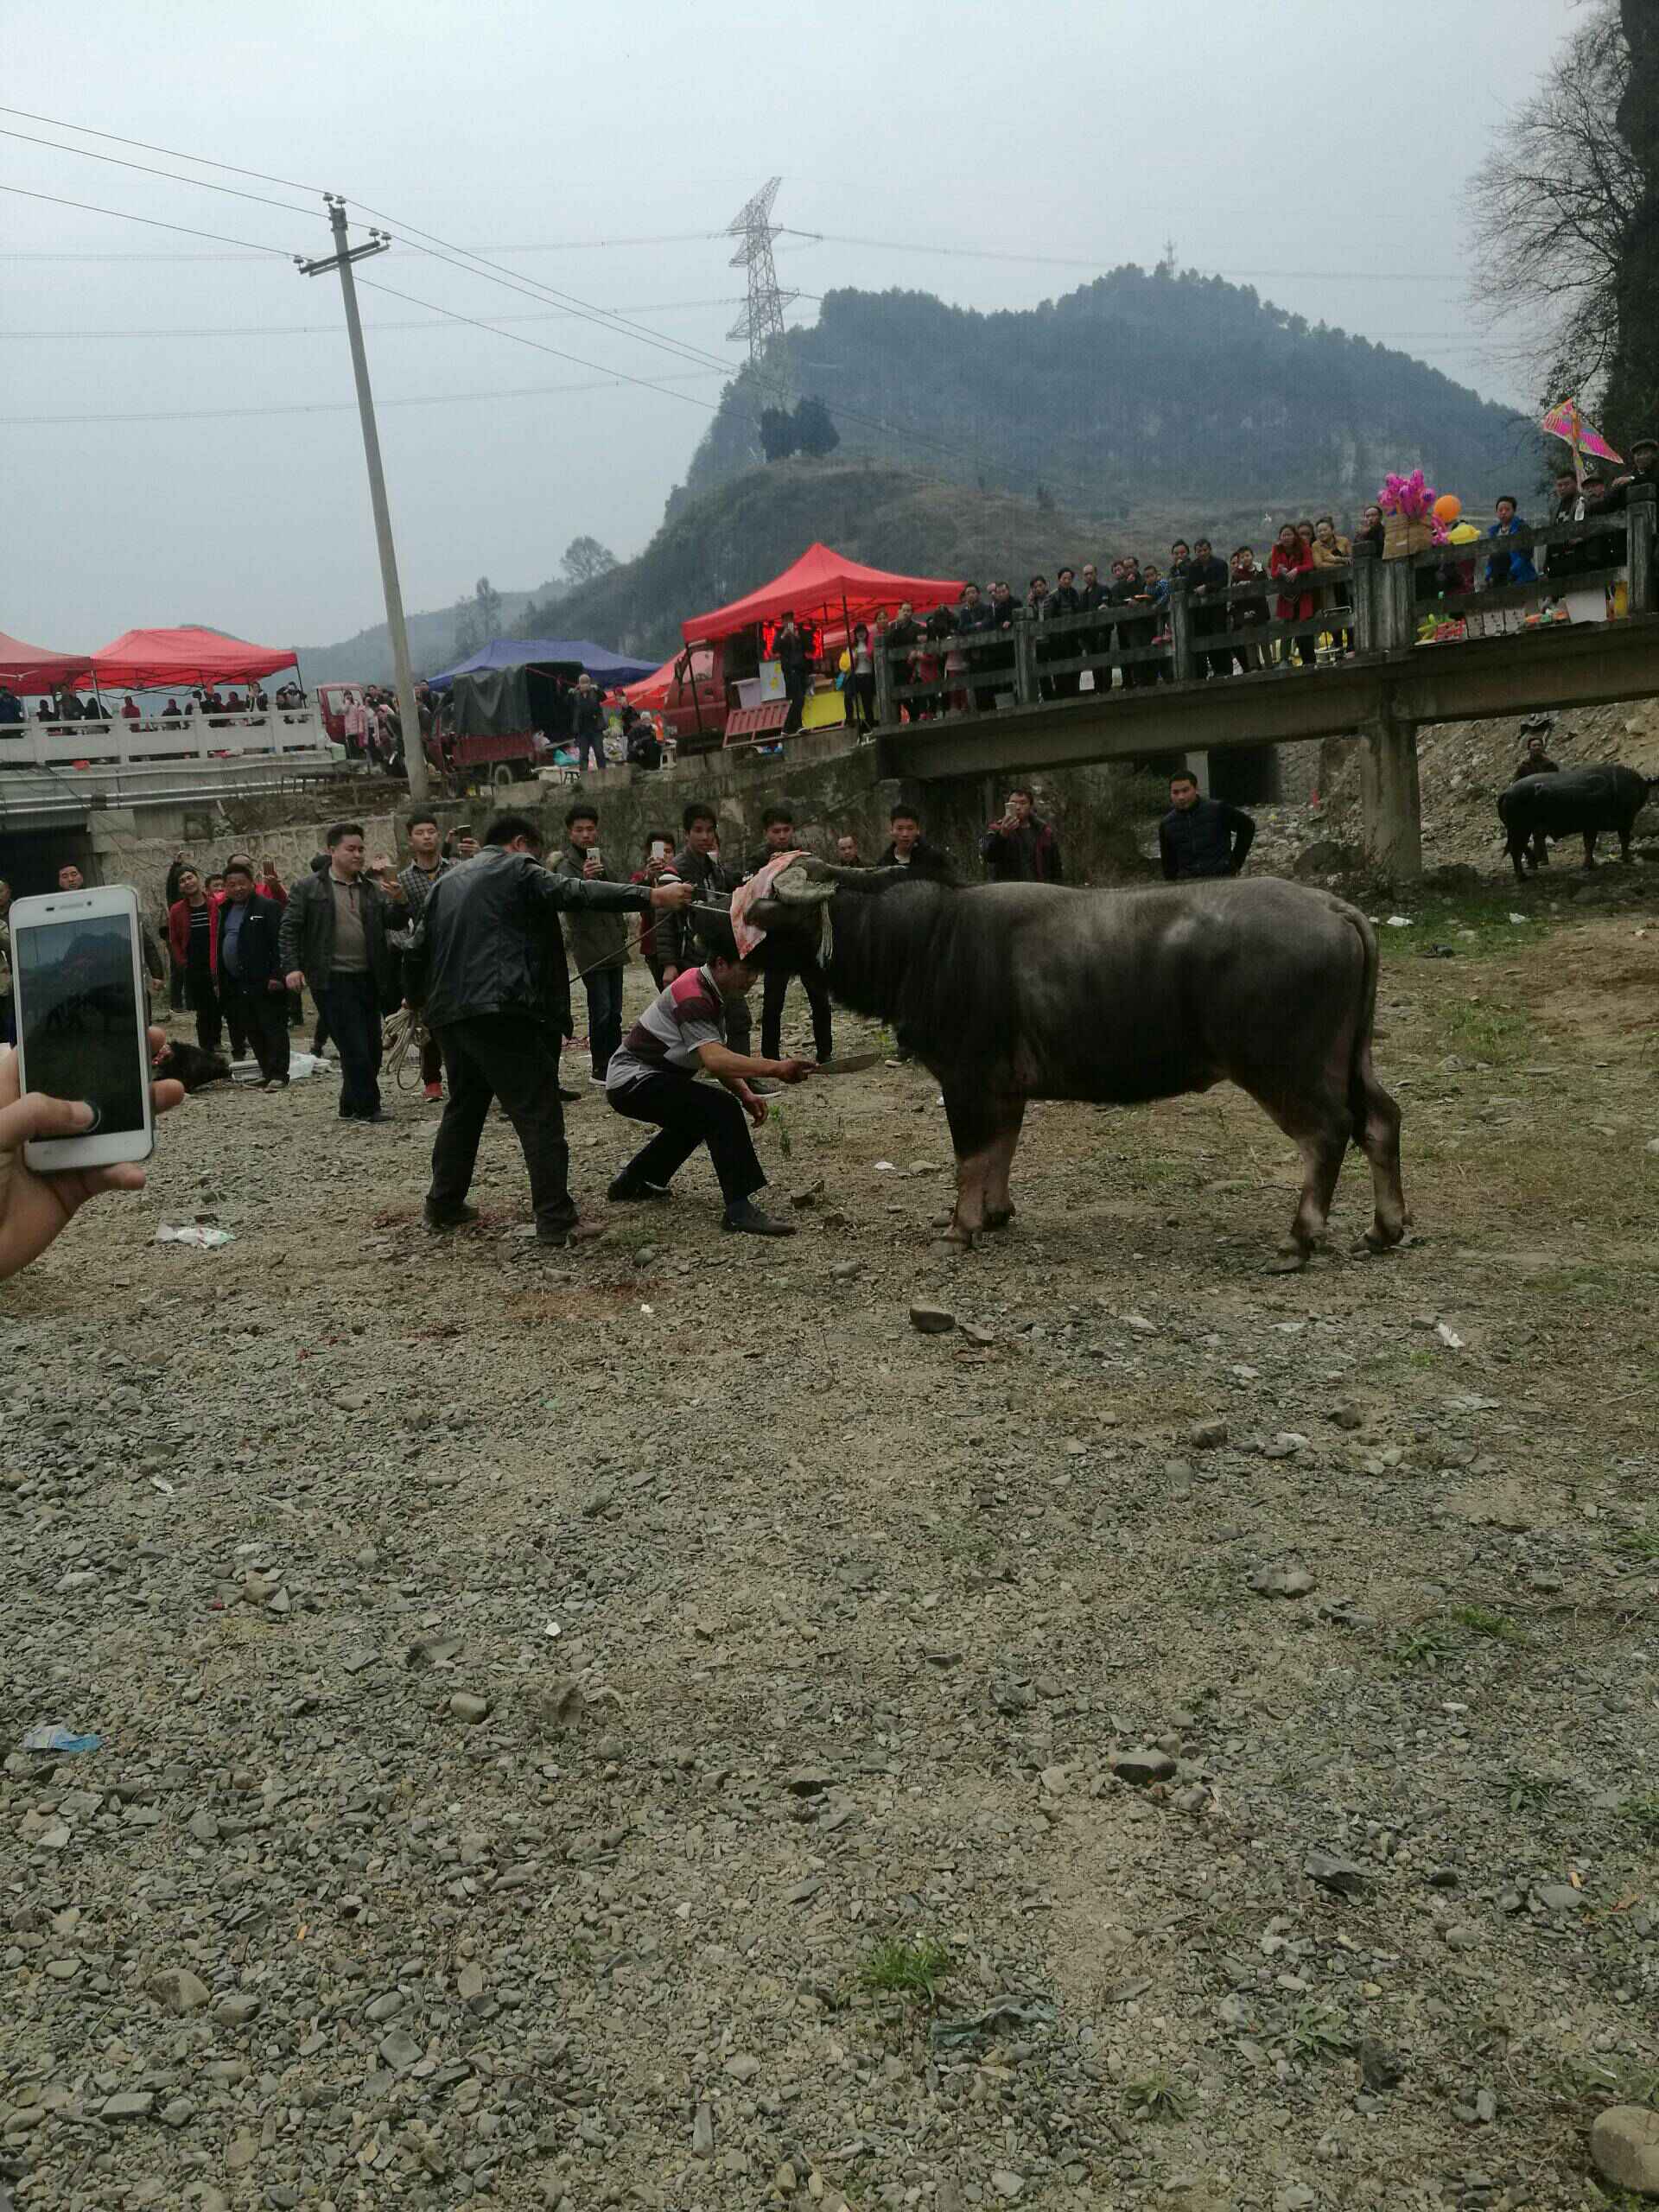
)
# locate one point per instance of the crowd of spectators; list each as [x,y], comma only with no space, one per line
[65,704]
[963,656]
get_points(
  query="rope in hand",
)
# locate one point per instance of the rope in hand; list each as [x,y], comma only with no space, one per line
[405,1033]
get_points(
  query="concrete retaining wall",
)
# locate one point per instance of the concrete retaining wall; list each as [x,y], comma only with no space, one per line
[1098,811]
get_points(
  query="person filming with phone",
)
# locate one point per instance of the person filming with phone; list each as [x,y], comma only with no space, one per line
[1020,847]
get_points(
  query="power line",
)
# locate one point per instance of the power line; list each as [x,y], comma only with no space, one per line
[335,406]
[552,246]
[154,222]
[115,138]
[1082,261]
[533,288]
[332,330]
[115,161]
[620,326]
[263,176]
[452,315]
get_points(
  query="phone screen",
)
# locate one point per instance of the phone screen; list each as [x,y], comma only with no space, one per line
[659,848]
[80,1016]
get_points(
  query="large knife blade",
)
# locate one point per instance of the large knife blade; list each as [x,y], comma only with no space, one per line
[847,1064]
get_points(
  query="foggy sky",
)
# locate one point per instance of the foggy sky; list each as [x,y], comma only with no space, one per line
[1274,139]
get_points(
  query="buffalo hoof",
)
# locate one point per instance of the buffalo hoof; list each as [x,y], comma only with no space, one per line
[998,1216]
[1287,1263]
[956,1239]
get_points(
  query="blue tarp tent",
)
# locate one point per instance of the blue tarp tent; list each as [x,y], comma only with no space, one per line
[607,669]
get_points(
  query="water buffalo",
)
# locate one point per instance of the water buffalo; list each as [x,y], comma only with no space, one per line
[1011,992]
[1587,800]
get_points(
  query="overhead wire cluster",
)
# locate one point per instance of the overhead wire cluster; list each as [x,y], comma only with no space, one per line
[554,301]
[433,247]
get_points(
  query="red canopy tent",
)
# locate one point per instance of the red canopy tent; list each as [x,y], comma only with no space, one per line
[149,660]
[823,582]
[33,668]
[649,694]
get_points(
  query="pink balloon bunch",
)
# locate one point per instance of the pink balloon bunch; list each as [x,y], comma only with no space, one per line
[1409,496]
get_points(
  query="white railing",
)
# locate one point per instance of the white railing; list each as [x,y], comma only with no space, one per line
[122,742]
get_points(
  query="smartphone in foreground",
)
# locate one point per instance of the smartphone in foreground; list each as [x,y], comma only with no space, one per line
[78,990]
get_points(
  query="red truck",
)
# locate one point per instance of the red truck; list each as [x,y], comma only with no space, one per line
[702,708]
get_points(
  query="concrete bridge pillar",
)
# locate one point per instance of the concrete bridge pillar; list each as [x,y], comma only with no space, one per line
[1391,803]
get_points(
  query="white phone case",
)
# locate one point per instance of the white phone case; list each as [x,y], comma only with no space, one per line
[99,1147]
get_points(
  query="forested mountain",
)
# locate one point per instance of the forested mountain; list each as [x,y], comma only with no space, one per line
[366,659]
[713,548]
[1139,387]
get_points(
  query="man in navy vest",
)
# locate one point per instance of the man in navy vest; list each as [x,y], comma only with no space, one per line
[1201,836]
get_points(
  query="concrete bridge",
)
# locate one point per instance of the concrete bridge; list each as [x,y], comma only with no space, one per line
[1382,692]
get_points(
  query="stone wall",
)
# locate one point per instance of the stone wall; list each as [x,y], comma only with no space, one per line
[139,846]
[1102,814]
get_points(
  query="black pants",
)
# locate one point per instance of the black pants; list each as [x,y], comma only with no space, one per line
[431,1061]
[689,1114]
[773,992]
[296,1011]
[604,989]
[203,1004]
[350,1006]
[795,692]
[587,741]
[262,1016]
[175,993]
[502,1056]
[863,702]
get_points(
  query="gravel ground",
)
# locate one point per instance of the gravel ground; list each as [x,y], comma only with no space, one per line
[603,1728]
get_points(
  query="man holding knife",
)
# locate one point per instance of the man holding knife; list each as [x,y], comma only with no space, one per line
[653,1077]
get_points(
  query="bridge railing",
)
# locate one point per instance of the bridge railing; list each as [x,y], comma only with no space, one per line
[1366,607]
[124,742]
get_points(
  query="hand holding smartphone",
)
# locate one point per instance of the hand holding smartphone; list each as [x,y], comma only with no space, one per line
[78,999]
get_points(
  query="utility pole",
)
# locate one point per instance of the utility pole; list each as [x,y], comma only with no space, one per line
[344,255]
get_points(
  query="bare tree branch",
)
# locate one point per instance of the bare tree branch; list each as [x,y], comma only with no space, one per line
[1550,210]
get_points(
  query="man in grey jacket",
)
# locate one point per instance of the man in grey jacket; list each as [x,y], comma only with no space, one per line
[334,938]
[598,939]
[408,895]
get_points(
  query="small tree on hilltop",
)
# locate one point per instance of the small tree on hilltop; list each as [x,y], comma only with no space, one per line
[586,558]
[779,435]
[815,433]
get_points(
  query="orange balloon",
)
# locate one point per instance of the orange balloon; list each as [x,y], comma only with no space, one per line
[1448,507]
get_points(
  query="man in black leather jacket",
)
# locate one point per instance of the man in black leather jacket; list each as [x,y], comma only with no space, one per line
[487,967]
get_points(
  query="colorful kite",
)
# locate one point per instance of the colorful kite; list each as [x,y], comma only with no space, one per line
[1565,421]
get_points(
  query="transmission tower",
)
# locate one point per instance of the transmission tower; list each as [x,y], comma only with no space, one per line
[762,319]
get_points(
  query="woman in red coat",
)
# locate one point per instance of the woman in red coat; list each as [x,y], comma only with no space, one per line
[1292,556]
[191,934]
